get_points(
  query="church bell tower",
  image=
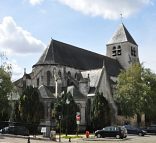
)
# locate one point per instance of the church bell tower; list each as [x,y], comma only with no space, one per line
[123,47]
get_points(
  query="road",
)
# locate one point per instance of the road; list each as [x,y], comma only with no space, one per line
[129,139]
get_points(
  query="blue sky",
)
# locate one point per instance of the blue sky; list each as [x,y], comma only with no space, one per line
[27,26]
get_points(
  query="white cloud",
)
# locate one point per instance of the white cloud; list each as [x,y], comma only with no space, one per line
[108,9]
[17,71]
[35,2]
[14,39]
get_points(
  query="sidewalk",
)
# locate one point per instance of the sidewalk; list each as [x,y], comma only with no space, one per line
[63,139]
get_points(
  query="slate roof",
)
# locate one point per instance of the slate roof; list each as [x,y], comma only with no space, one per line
[64,54]
[112,66]
[46,92]
[75,93]
[122,35]
[68,55]
[94,76]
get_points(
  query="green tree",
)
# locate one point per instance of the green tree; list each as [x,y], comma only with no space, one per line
[31,109]
[5,89]
[149,106]
[100,113]
[67,111]
[135,93]
[16,115]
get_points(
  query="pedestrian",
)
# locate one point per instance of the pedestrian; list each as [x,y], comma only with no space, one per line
[69,139]
[28,140]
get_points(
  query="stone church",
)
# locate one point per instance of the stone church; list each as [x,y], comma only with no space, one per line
[83,73]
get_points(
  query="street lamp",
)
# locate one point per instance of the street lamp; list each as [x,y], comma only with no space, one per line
[67,102]
[60,128]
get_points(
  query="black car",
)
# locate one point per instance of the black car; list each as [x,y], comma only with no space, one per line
[112,131]
[151,129]
[134,130]
[16,130]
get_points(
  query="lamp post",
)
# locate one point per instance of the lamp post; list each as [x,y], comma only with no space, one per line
[59,128]
[67,102]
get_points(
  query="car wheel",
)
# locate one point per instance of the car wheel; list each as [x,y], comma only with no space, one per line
[98,136]
[117,136]
[140,134]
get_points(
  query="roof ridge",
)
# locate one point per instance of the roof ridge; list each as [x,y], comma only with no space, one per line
[128,34]
[53,55]
[76,47]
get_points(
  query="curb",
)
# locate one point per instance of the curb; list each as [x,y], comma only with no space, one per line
[25,137]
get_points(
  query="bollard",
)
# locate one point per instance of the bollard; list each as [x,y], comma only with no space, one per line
[69,139]
[87,134]
[28,140]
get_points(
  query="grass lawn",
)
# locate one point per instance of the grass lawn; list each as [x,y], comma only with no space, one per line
[71,136]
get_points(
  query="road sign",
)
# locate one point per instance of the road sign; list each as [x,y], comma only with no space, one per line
[78,118]
[77,122]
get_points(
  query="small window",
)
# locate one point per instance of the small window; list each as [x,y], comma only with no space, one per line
[119,50]
[114,48]
[54,71]
[69,74]
[59,73]
[133,51]
[38,82]
[114,51]
[76,75]
[48,78]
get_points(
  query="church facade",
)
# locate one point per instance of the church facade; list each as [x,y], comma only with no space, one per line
[83,73]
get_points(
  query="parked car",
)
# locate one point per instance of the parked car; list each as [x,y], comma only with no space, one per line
[16,130]
[135,130]
[151,129]
[112,131]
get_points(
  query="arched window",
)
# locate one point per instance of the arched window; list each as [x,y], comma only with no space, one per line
[69,74]
[119,50]
[38,82]
[133,51]
[114,51]
[54,71]
[59,73]
[48,78]
[76,75]
[68,78]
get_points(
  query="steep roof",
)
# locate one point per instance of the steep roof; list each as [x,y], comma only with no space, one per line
[75,93]
[121,35]
[94,76]
[68,55]
[112,66]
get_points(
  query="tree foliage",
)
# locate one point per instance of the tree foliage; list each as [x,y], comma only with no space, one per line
[135,93]
[149,106]
[100,113]
[5,89]
[67,112]
[31,109]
